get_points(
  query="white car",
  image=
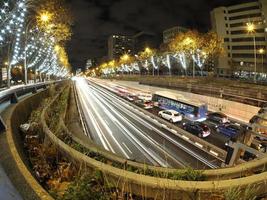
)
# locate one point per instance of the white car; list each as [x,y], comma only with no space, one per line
[145,97]
[171,115]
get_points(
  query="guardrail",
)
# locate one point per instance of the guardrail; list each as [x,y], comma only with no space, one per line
[12,94]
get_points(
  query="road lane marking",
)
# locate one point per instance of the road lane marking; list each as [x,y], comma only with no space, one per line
[200,145]
[190,152]
[106,126]
[214,153]
[185,137]
[96,127]
[127,148]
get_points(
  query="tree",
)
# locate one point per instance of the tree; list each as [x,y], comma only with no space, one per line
[196,46]
[148,56]
[184,45]
[55,19]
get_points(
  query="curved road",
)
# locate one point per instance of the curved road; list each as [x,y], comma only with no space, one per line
[116,126]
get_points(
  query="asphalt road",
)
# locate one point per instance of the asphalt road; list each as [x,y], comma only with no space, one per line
[217,139]
[117,127]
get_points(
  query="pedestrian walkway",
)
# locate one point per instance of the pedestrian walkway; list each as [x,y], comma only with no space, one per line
[7,190]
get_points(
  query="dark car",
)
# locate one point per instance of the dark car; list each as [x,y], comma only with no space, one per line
[228,129]
[262,110]
[218,118]
[197,128]
[145,104]
[254,119]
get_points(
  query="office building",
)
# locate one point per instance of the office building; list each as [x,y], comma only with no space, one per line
[119,45]
[169,34]
[243,29]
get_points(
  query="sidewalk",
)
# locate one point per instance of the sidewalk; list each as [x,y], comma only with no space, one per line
[7,190]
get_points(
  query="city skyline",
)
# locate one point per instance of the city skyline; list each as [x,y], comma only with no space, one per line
[105,18]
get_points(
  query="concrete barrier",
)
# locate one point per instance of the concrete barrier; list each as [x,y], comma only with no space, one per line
[20,173]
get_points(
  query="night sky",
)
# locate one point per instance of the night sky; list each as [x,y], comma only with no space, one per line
[95,20]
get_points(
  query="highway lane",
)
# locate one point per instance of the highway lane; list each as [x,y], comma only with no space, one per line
[117,129]
[215,138]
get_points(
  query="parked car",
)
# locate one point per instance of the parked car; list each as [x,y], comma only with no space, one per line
[171,115]
[228,129]
[197,128]
[218,118]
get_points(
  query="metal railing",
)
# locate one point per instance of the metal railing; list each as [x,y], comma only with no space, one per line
[12,94]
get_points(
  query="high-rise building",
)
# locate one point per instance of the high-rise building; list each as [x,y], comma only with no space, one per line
[243,29]
[169,34]
[119,45]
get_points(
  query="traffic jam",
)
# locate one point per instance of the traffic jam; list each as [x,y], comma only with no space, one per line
[194,117]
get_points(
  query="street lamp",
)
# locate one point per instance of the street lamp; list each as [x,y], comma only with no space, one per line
[262,51]
[251,30]
[44,17]
[125,57]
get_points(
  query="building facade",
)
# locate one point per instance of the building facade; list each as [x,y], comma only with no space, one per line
[169,34]
[119,45]
[243,29]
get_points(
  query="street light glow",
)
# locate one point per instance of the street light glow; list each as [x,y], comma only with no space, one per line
[45,17]
[125,57]
[261,51]
[148,50]
[57,48]
[250,27]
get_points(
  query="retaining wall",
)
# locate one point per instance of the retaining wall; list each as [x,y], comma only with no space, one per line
[22,177]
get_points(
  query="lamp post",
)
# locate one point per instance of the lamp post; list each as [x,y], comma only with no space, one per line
[262,51]
[251,30]
[44,18]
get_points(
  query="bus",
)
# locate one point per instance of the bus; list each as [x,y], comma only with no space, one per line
[190,109]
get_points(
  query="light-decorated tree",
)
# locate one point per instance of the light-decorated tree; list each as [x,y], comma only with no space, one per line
[195,46]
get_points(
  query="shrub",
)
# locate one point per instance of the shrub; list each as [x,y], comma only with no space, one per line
[87,187]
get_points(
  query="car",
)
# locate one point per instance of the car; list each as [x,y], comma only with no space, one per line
[254,119]
[131,97]
[197,128]
[144,104]
[262,110]
[218,118]
[171,115]
[229,129]
[148,105]
[145,96]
